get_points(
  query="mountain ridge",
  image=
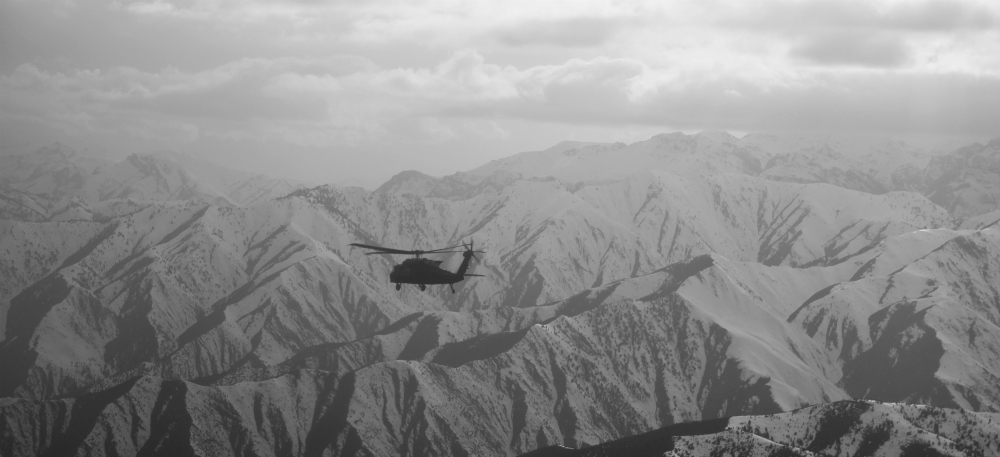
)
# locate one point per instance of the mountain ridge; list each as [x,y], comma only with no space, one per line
[68,185]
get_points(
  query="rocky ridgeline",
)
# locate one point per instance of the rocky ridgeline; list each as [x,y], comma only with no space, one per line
[56,183]
[860,428]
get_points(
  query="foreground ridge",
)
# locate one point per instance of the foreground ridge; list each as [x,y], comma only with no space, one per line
[844,428]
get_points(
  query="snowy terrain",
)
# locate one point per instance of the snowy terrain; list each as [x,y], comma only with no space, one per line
[57,183]
[861,428]
[158,306]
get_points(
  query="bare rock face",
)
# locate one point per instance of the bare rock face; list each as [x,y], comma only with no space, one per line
[620,296]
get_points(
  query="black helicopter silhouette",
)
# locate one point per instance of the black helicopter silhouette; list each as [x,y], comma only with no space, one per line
[421,271]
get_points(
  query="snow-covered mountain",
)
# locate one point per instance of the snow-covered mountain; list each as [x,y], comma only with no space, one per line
[702,154]
[51,172]
[962,181]
[21,206]
[966,182]
[842,428]
[627,288]
[64,183]
[874,165]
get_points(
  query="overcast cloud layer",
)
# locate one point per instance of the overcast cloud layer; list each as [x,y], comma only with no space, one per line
[359,90]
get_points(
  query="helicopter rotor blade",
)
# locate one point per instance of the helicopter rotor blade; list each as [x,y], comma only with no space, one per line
[381,250]
[444,249]
[409,252]
[366,246]
[385,250]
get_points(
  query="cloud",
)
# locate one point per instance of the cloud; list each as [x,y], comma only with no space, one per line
[236,98]
[571,32]
[918,15]
[853,48]
[622,92]
[872,102]
[937,15]
[348,101]
[394,78]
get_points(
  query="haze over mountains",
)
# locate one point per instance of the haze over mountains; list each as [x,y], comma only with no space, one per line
[162,305]
[56,183]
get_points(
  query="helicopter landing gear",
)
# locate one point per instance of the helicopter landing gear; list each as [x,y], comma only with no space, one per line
[452,288]
[423,287]
[398,286]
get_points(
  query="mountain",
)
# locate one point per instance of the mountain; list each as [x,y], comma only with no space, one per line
[65,183]
[873,165]
[841,428]
[966,182]
[867,164]
[459,186]
[962,181]
[51,172]
[907,325]
[21,206]
[702,154]
[616,301]
[981,221]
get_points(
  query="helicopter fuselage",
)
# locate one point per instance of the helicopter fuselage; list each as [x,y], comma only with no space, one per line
[422,271]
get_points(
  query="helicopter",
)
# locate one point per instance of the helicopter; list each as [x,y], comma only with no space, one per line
[421,271]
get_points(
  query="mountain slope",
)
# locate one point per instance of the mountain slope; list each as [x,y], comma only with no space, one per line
[841,428]
[700,320]
[872,165]
[706,153]
[266,273]
[908,333]
[965,182]
[21,206]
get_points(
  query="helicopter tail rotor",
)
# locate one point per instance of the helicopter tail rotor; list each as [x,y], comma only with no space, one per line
[468,254]
[471,248]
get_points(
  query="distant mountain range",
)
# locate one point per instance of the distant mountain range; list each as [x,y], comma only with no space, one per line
[162,305]
[56,183]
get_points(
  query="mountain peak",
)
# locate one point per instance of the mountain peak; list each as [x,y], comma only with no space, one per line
[563,146]
[408,181]
[56,149]
[670,136]
[720,135]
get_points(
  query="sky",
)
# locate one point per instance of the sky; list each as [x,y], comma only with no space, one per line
[353,92]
